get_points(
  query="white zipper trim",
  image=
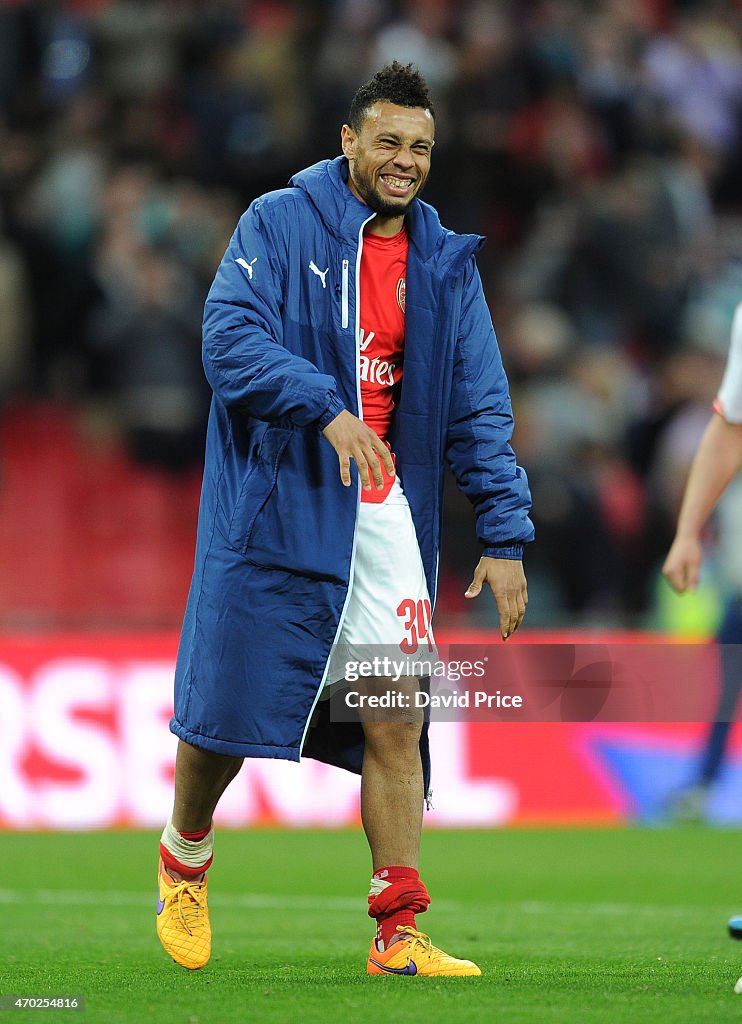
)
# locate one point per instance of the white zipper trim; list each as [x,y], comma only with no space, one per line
[358,491]
[344,296]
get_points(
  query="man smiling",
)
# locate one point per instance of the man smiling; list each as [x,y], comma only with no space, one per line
[388,149]
[344,325]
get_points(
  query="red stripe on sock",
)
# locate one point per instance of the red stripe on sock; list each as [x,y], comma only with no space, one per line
[195,837]
[173,864]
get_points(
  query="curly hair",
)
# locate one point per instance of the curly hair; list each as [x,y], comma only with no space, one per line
[396,83]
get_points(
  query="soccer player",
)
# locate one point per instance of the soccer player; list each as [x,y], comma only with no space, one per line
[714,466]
[345,324]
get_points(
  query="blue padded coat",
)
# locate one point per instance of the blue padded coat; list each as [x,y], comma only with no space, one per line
[276,526]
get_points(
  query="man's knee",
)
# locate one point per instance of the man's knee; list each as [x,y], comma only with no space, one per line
[391,727]
[394,738]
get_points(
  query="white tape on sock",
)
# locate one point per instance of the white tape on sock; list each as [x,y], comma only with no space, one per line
[378,885]
[192,855]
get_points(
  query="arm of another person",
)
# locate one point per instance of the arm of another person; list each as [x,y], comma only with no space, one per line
[716,462]
[714,466]
[479,452]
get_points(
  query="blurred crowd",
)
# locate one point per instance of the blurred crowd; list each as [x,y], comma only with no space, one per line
[596,143]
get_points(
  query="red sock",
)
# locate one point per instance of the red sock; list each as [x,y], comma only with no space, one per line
[398,903]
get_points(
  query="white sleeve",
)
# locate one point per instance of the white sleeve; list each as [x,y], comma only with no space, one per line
[729,400]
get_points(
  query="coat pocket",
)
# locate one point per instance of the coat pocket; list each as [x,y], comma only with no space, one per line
[257,487]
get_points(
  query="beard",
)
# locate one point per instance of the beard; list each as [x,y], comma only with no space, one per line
[380,204]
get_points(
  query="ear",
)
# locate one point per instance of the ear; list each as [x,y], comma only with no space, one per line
[348,141]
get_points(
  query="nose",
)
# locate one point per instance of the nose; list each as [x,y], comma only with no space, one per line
[404,158]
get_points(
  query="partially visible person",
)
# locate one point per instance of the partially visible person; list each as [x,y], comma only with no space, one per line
[143,331]
[14,328]
[716,463]
[714,467]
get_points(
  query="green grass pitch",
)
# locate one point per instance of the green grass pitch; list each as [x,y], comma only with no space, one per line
[575,926]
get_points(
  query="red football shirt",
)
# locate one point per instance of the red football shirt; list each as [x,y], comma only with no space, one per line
[381,335]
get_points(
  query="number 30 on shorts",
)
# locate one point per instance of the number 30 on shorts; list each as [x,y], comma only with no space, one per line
[417,616]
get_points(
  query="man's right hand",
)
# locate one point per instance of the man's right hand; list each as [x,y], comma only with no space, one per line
[353,439]
[683,564]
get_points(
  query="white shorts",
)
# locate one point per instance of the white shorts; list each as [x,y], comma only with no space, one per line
[388,610]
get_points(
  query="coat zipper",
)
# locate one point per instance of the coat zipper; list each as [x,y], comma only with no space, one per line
[344,297]
[344,321]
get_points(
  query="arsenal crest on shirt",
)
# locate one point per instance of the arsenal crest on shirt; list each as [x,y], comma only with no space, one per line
[401,293]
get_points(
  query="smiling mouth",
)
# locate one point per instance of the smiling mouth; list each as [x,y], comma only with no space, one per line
[399,186]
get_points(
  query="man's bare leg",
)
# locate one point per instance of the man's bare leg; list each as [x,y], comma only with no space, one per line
[201,777]
[392,792]
[186,849]
[392,797]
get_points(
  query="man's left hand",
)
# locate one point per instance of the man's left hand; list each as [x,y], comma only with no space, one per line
[508,583]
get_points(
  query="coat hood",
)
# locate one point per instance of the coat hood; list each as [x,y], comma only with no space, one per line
[326,185]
